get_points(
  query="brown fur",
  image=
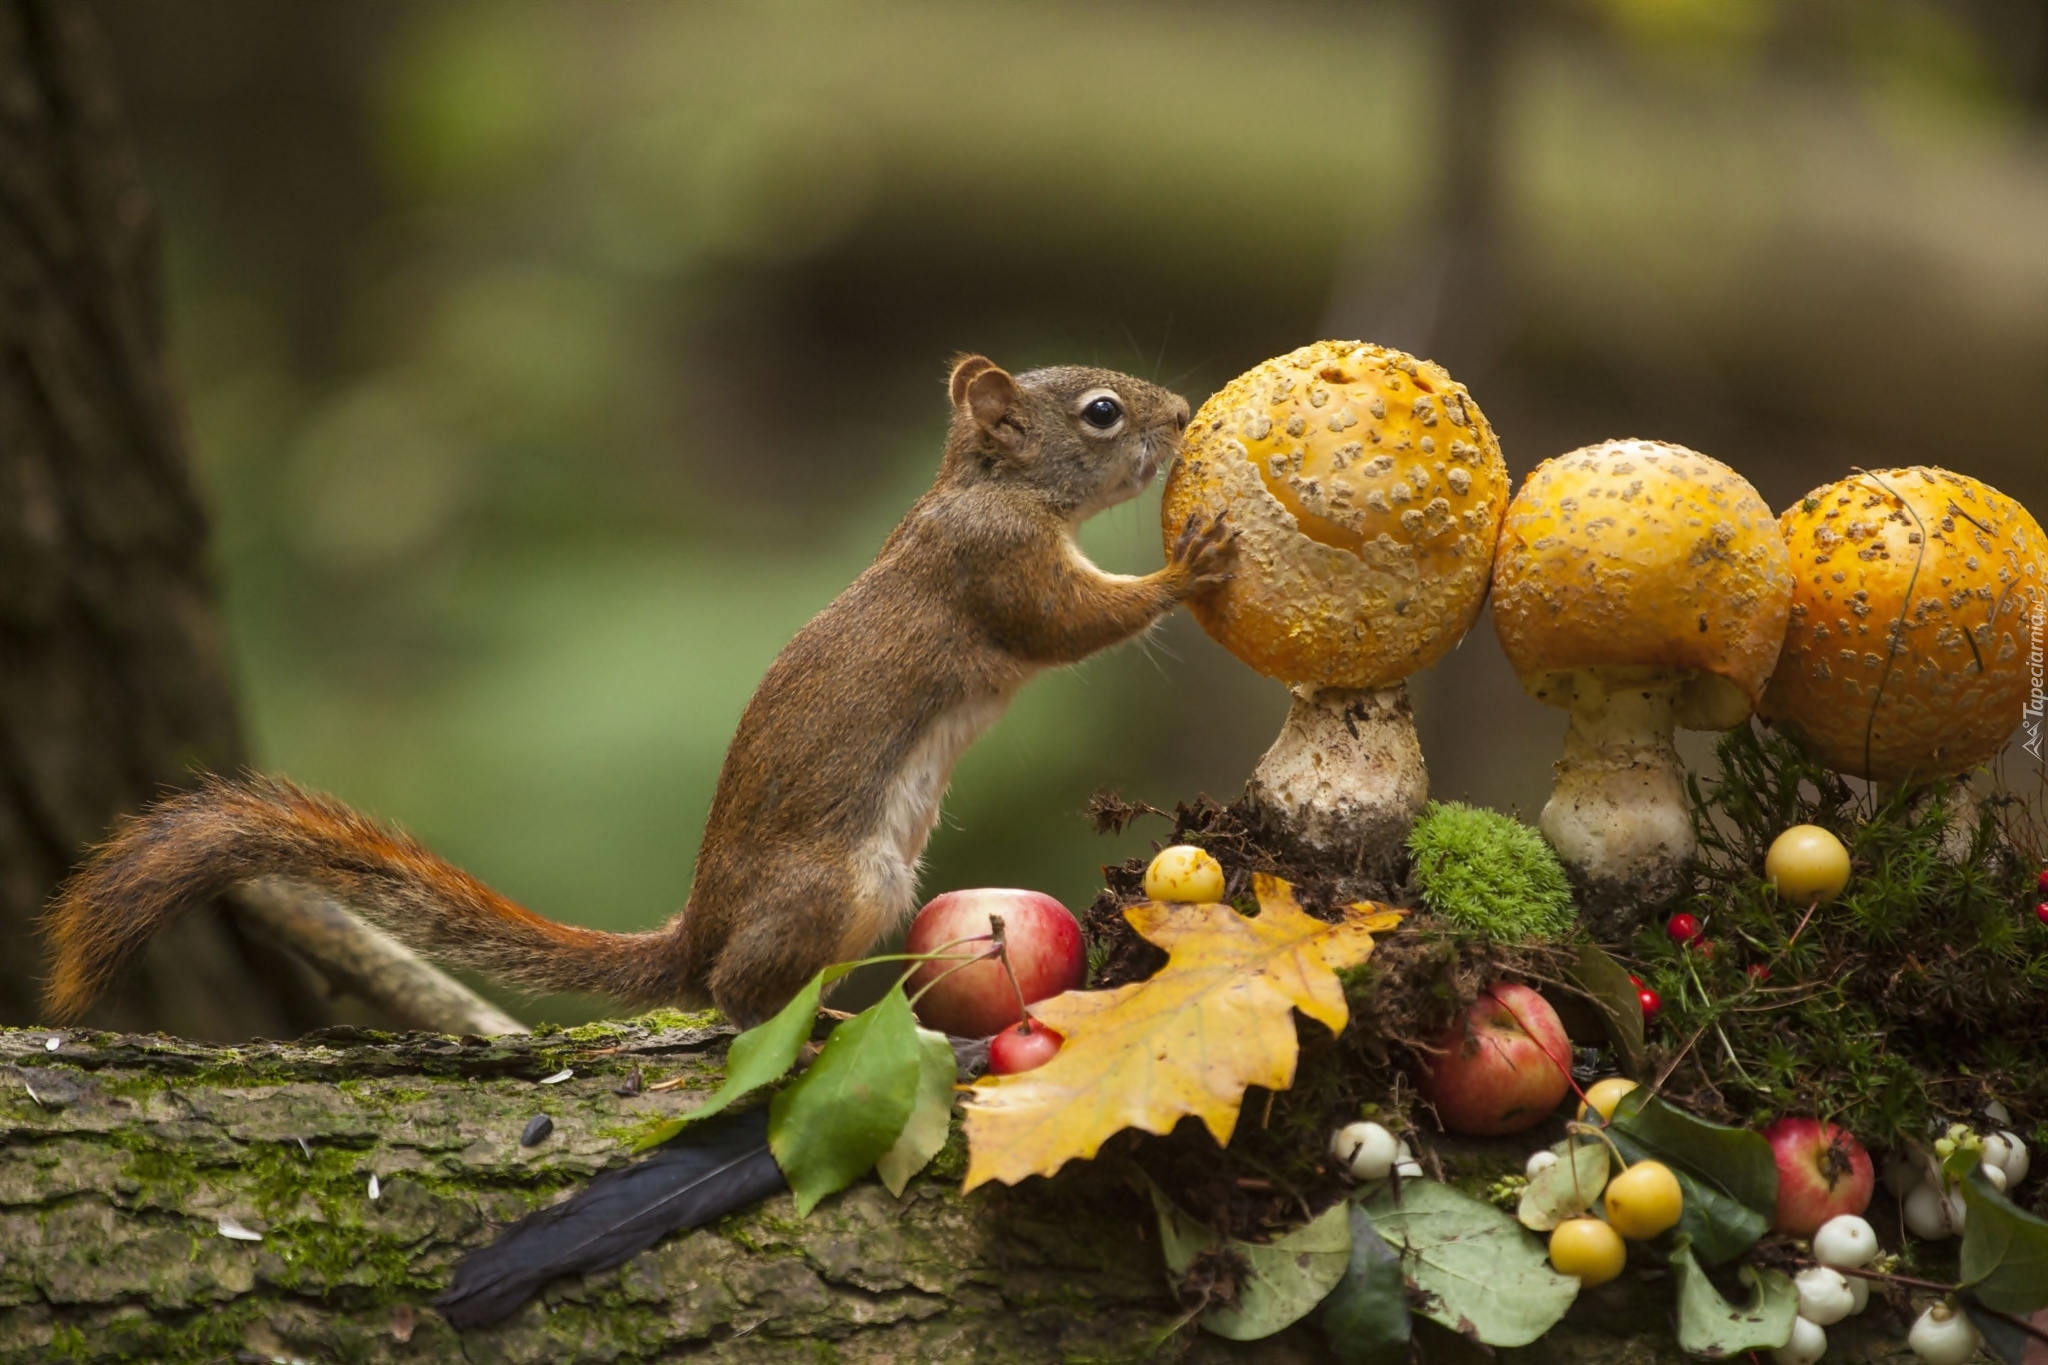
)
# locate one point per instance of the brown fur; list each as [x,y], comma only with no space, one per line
[831,785]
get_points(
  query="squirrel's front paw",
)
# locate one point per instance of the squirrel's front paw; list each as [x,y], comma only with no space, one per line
[1203,552]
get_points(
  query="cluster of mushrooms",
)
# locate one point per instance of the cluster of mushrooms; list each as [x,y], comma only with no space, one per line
[1883,621]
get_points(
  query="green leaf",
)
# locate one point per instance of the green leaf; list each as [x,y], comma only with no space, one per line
[758,1057]
[829,1126]
[1485,1274]
[1288,1278]
[931,1117]
[1728,1176]
[1283,1280]
[2005,1250]
[1365,1317]
[1710,1326]
[1619,1003]
[1567,1188]
[1181,1238]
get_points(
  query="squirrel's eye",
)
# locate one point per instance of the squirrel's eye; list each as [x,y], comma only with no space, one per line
[1103,413]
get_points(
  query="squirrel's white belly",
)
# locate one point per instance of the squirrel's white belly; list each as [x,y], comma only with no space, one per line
[887,863]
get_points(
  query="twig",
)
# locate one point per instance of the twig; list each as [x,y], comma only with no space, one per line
[366,962]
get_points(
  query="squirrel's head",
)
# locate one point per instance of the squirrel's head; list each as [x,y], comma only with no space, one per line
[1086,438]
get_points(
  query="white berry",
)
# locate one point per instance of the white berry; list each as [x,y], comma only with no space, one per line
[1943,1336]
[1408,1170]
[1809,1343]
[1824,1297]
[1367,1148]
[1994,1174]
[1860,1288]
[2017,1159]
[1539,1162]
[1845,1240]
[1927,1214]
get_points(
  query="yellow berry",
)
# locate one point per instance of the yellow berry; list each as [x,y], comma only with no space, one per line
[1184,873]
[1644,1200]
[1808,865]
[1587,1249]
[1602,1096]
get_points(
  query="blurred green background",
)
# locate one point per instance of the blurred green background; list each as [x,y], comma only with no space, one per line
[550,364]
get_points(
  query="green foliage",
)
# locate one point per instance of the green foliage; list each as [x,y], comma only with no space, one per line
[1365,1319]
[1484,1273]
[1728,1176]
[831,1125]
[1918,994]
[1710,1326]
[1486,871]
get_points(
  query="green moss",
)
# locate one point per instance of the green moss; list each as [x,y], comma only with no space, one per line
[1485,871]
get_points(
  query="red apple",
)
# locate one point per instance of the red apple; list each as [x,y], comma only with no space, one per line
[1823,1171]
[1503,1064]
[1014,1050]
[1045,952]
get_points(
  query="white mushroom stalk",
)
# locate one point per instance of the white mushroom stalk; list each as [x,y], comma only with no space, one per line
[1346,772]
[1366,490]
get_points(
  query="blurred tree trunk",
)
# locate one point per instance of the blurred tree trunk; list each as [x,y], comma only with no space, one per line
[114,681]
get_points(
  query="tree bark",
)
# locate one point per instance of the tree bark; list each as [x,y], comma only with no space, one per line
[114,680]
[121,1155]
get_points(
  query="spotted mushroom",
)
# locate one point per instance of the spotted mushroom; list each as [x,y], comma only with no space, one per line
[1640,586]
[1919,596]
[1367,491]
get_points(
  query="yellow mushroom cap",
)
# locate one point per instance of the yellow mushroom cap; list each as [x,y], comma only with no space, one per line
[1647,557]
[1366,490]
[1907,653]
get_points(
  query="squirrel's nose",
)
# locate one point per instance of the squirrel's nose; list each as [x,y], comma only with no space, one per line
[1180,413]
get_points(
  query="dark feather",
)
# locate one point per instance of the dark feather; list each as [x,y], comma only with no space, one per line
[710,1170]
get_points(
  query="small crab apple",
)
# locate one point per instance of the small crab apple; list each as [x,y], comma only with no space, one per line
[1185,874]
[1808,865]
[1823,1172]
[1024,1046]
[1603,1095]
[1682,928]
[1587,1249]
[1040,936]
[1644,1200]
[1502,1066]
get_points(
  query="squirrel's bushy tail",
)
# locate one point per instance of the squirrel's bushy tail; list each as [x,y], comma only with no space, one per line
[193,846]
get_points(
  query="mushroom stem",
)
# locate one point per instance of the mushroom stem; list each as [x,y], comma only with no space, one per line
[1346,775]
[1618,814]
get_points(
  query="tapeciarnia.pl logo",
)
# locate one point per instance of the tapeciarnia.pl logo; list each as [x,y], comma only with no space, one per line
[2037,668]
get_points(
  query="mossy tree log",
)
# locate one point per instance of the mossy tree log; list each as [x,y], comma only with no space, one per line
[124,1154]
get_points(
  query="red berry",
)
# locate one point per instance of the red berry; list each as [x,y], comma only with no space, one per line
[2042,881]
[1652,1003]
[1683,928]
[1705,948]
[1635,981]
[1014,1050]
[1759,973]
[2041,912]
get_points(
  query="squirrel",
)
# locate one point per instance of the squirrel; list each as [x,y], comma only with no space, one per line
[832,783]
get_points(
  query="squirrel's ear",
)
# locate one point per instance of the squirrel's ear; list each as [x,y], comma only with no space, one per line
[965,367]
[991,398]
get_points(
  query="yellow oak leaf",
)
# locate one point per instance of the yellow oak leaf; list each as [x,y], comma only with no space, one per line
[1215,1019]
